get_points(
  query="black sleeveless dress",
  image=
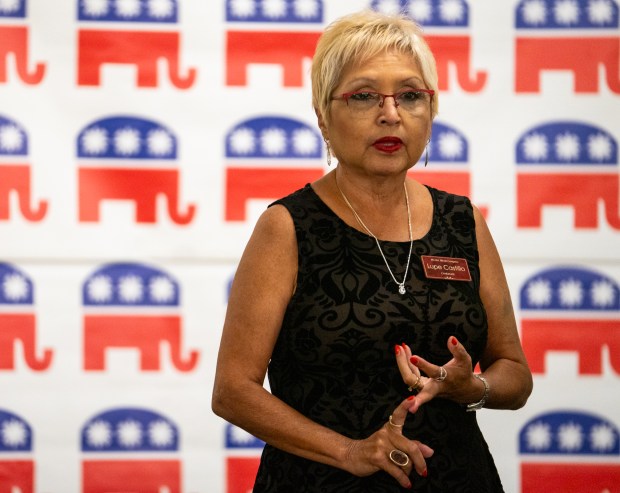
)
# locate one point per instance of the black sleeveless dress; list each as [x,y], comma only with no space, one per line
[334,358]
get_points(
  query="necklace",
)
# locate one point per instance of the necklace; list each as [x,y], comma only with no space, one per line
[401,285]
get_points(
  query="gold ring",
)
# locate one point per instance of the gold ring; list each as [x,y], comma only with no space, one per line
[416,385]
[394,424]
[398,457]
[442,374]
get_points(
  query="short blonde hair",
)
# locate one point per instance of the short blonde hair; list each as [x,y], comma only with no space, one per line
[357,37]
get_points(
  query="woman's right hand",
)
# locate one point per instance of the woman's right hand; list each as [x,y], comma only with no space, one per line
[372,454]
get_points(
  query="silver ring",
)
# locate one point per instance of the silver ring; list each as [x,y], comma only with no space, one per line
[400,458]
[442,374]
[394,424]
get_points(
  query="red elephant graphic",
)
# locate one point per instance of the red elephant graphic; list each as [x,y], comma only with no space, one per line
[582,57]
[288,50]
[18,322]
[144,333]
[455,51]
[15,176]
[107,295]
[122,145]
[142,49]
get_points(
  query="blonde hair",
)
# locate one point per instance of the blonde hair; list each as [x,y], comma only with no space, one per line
[357,37]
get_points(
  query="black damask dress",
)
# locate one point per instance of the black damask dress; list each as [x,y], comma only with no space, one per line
[334,358]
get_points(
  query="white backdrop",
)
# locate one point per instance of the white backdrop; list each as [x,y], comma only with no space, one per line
[141,139]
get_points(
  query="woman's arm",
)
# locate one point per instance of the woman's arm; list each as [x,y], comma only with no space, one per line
[503,362]
[263,286]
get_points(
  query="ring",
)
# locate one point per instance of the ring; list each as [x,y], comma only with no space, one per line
[400,458]
[442,374]
[416,385]
[394,424]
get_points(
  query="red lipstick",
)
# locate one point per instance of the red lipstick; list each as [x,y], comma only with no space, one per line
[388,144]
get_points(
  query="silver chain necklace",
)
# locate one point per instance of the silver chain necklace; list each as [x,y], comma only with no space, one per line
[401,285]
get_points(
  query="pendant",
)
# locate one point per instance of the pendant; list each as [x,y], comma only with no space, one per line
[401,289]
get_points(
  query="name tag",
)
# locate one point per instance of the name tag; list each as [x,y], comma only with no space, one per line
[446,268]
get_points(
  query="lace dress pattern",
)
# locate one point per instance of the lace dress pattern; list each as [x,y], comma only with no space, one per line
[334,357]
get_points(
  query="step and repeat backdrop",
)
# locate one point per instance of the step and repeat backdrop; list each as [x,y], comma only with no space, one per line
[141,139]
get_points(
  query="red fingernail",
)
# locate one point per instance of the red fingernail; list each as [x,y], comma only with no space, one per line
[397,349]
[414,360]
[403,345]
[408,486]
[411,397]
[454,341]
[424,473]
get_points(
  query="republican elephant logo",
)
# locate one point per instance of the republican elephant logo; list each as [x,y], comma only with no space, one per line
[140,48]
[579,55]
[130,450]
[129,305]
[294,149]
[14,42]
[450,50]
[18,321]
[571,309]
[570,164]
[17,468]
[567,451]
[15,173]
[114,153]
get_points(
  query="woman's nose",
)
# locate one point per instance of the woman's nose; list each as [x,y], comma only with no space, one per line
[389,110]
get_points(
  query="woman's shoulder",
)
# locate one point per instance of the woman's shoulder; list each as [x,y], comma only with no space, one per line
[441,194]
[446,202]
[300,195]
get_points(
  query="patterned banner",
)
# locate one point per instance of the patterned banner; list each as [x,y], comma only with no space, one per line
[141,139]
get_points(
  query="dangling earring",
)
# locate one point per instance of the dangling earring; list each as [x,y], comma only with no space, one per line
[329,152]
[426,157]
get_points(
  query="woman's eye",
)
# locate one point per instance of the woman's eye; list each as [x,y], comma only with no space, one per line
[410,95]
[363,96]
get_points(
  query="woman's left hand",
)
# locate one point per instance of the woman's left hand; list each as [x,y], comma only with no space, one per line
[454,380]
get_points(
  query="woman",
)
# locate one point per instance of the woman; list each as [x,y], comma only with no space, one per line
[340,295]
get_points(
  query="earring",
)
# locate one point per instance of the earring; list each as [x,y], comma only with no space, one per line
[426,152]
[329,152]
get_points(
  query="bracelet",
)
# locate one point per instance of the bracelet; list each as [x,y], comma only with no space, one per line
[475,406]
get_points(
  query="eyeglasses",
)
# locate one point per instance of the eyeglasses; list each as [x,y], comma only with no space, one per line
[363,103]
